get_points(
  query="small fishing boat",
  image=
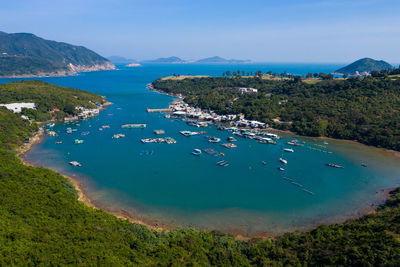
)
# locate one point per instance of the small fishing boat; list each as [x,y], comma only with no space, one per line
[58,142]
[196,152]
[229,145]
[214,140]
[363,164]
[334,165]
[158,132]
[288,150]
[281,169]
[75,164]
[263,163]
[284,161]
[223,163]
[117,136]
[78,141]
[307,191]
[231,139]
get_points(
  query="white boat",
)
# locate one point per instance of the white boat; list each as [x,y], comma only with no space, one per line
[288,150]
[284,161]
[75,164]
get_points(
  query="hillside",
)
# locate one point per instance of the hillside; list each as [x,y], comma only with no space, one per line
[220,60]
[121,60]
[25,54]
[165,60]
[47,98]
[365,65]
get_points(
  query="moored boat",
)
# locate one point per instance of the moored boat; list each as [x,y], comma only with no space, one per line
[284,161]
[196,152]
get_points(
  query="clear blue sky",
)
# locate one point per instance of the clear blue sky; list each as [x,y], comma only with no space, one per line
[261,30]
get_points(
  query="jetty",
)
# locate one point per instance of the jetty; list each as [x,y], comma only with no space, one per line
[159,110]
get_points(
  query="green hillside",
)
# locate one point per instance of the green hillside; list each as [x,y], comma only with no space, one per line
[47,97]
[26,54]
[365,65]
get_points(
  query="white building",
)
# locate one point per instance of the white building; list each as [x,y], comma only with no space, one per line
[17,107]
[243,90]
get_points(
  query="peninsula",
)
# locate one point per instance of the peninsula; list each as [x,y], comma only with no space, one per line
[27,55]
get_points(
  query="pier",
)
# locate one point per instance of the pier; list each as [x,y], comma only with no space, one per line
[154,110]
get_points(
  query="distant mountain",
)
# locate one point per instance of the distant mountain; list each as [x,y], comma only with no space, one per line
[166,60]
[220,60]
[25,54]
[365,65]
[121,60]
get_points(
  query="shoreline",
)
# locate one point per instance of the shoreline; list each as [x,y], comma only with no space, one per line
[82,195]
[394,152]
[159,226]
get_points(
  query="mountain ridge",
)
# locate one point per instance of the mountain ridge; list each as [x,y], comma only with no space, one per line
[27,55]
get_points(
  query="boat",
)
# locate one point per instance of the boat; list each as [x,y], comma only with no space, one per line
[307,191]
[134,126]
[223,163]
[363,164]
[117,136]
[78,141]
[186,133]
[288,150]
[214,140]
[159,132]
[334,165]
[281,169]
[284,161]
[297,184]
[58,142]
[325,143]
[229,145]
[196,152]
[50,125]
[263,162]
[231,139]
[75,164]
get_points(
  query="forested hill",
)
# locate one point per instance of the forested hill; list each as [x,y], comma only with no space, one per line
[42,223]
[365,65]
[51,101]
[362,109]
[25,54]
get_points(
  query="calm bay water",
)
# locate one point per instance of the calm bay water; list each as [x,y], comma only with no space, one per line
[173,188]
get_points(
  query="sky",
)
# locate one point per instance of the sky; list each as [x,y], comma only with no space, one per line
[260,30]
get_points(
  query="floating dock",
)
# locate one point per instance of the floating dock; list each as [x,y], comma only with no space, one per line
[160,110]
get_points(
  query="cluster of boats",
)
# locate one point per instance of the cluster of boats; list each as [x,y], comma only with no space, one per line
[168,140]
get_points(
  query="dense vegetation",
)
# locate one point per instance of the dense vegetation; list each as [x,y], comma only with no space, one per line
[50,100]
[27,54]
[362,109]
[43,223]
[365,65]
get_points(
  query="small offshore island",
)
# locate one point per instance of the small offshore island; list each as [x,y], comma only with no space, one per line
[47,193]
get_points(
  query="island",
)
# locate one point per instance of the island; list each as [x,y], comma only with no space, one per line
[364,66]
[27,55]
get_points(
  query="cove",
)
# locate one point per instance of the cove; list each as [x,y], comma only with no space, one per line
[172,188]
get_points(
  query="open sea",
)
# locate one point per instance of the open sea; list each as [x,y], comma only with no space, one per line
[165,185]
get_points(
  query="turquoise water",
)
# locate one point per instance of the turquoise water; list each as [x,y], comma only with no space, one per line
[173,188]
